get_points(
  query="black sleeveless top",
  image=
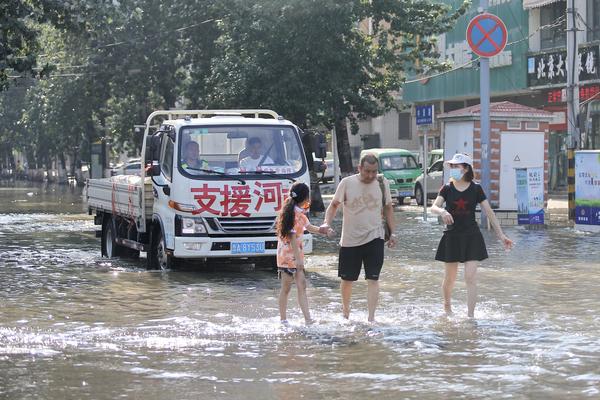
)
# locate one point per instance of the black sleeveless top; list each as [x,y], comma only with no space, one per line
[461,205]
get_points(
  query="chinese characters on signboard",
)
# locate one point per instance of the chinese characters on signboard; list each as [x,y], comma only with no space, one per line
[587,189]
[425,114]
[530,196]
[238,200]
[555,96]
[551,68]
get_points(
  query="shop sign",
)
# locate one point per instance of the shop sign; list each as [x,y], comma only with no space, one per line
[530,196]
[551,68]
[555,96]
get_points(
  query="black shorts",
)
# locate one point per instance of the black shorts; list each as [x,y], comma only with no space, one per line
[352,258]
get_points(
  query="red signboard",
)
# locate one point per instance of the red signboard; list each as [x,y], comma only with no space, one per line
[555,96]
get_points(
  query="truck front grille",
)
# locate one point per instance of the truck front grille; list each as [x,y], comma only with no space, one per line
[242,225]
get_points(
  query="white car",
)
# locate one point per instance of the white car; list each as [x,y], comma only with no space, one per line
[435,176]
[132,167]
[328,176]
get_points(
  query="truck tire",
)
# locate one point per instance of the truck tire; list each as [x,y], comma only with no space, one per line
[158,257]
[110,248]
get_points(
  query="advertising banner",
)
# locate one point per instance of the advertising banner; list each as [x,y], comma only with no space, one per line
[587,189]
[530,196]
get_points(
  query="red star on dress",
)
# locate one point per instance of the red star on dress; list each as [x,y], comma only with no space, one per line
[461,204]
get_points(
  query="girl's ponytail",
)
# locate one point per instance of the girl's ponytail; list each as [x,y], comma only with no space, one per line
[299,193]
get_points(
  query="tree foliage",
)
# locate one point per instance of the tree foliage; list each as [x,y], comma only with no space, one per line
[108,64]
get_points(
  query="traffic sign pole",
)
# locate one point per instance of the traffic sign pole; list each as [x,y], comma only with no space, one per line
[487,36]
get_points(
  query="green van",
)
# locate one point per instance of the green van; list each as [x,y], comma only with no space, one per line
[400,168]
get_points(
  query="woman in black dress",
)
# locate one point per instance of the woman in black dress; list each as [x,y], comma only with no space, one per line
[462,241]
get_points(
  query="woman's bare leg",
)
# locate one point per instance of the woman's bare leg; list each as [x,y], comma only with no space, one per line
[448,285]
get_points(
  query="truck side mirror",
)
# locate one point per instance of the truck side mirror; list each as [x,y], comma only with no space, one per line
[320,145]
[153,170]
[153,148]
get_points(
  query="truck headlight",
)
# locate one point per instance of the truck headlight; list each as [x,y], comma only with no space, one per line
[189,226]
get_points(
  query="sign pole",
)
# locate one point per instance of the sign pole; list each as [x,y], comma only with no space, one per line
[572,103]
[484,93]
[487,37]
[425,170]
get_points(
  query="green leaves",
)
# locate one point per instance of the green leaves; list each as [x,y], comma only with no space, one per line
[107,64]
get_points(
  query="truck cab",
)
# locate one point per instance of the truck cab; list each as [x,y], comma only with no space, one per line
[218,181]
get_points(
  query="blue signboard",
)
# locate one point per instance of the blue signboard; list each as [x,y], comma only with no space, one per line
[587,189]
[425,114]
[530,196]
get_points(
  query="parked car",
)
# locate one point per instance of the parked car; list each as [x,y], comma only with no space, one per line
[132,167]
[434,155]
[400,168]
[328,176]
[435,176]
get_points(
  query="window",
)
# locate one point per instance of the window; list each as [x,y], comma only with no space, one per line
[404,125]
[593,20]
[166,164]
[555,36]
[437,166]
[513,124]
[398,162]
[532,126]
[239,150]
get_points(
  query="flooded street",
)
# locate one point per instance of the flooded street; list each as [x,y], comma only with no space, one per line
[75,326]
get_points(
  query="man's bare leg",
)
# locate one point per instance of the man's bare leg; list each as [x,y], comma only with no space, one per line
[372,297]
[346,289]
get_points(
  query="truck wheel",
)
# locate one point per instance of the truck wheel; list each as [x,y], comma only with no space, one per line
[158,257]
[419,195]
[110,248]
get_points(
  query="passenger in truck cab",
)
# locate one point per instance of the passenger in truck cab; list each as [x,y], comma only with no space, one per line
[255,158]
[192,158]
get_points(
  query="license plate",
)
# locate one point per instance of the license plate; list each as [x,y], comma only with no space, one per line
[405,194]
[247,247]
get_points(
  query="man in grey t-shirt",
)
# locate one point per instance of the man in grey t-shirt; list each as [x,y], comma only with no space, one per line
[362,238]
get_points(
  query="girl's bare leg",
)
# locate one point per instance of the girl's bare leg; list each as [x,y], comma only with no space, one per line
[286,286]
[302,298]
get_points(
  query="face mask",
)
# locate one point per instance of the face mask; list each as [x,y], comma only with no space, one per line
[456,174]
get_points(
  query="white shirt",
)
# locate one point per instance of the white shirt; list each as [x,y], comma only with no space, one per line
[251,164]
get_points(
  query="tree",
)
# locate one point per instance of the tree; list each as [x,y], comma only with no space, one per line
[311,61]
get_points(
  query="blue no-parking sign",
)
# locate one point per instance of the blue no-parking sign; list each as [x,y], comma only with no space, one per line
[486,35]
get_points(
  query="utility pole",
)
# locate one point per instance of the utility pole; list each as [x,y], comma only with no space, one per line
[484,96]
[572,101]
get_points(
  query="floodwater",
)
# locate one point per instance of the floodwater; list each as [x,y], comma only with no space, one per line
[76,326]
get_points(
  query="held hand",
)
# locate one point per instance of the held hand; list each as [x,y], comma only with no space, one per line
[299,264]
[447,218]
[324,228]
[330,233]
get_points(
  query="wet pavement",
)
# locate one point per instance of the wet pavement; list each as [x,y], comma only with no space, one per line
[75,325]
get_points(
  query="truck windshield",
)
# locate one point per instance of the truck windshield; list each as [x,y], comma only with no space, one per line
[240,150]
[397,162]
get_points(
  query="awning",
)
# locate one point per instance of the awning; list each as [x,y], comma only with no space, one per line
[529,4]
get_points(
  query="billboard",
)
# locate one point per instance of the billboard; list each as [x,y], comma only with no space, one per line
[530,196]
[587,189]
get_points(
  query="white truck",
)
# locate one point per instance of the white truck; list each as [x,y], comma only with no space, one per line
[213,183]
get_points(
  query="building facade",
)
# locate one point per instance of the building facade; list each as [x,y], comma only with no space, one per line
[530,71]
